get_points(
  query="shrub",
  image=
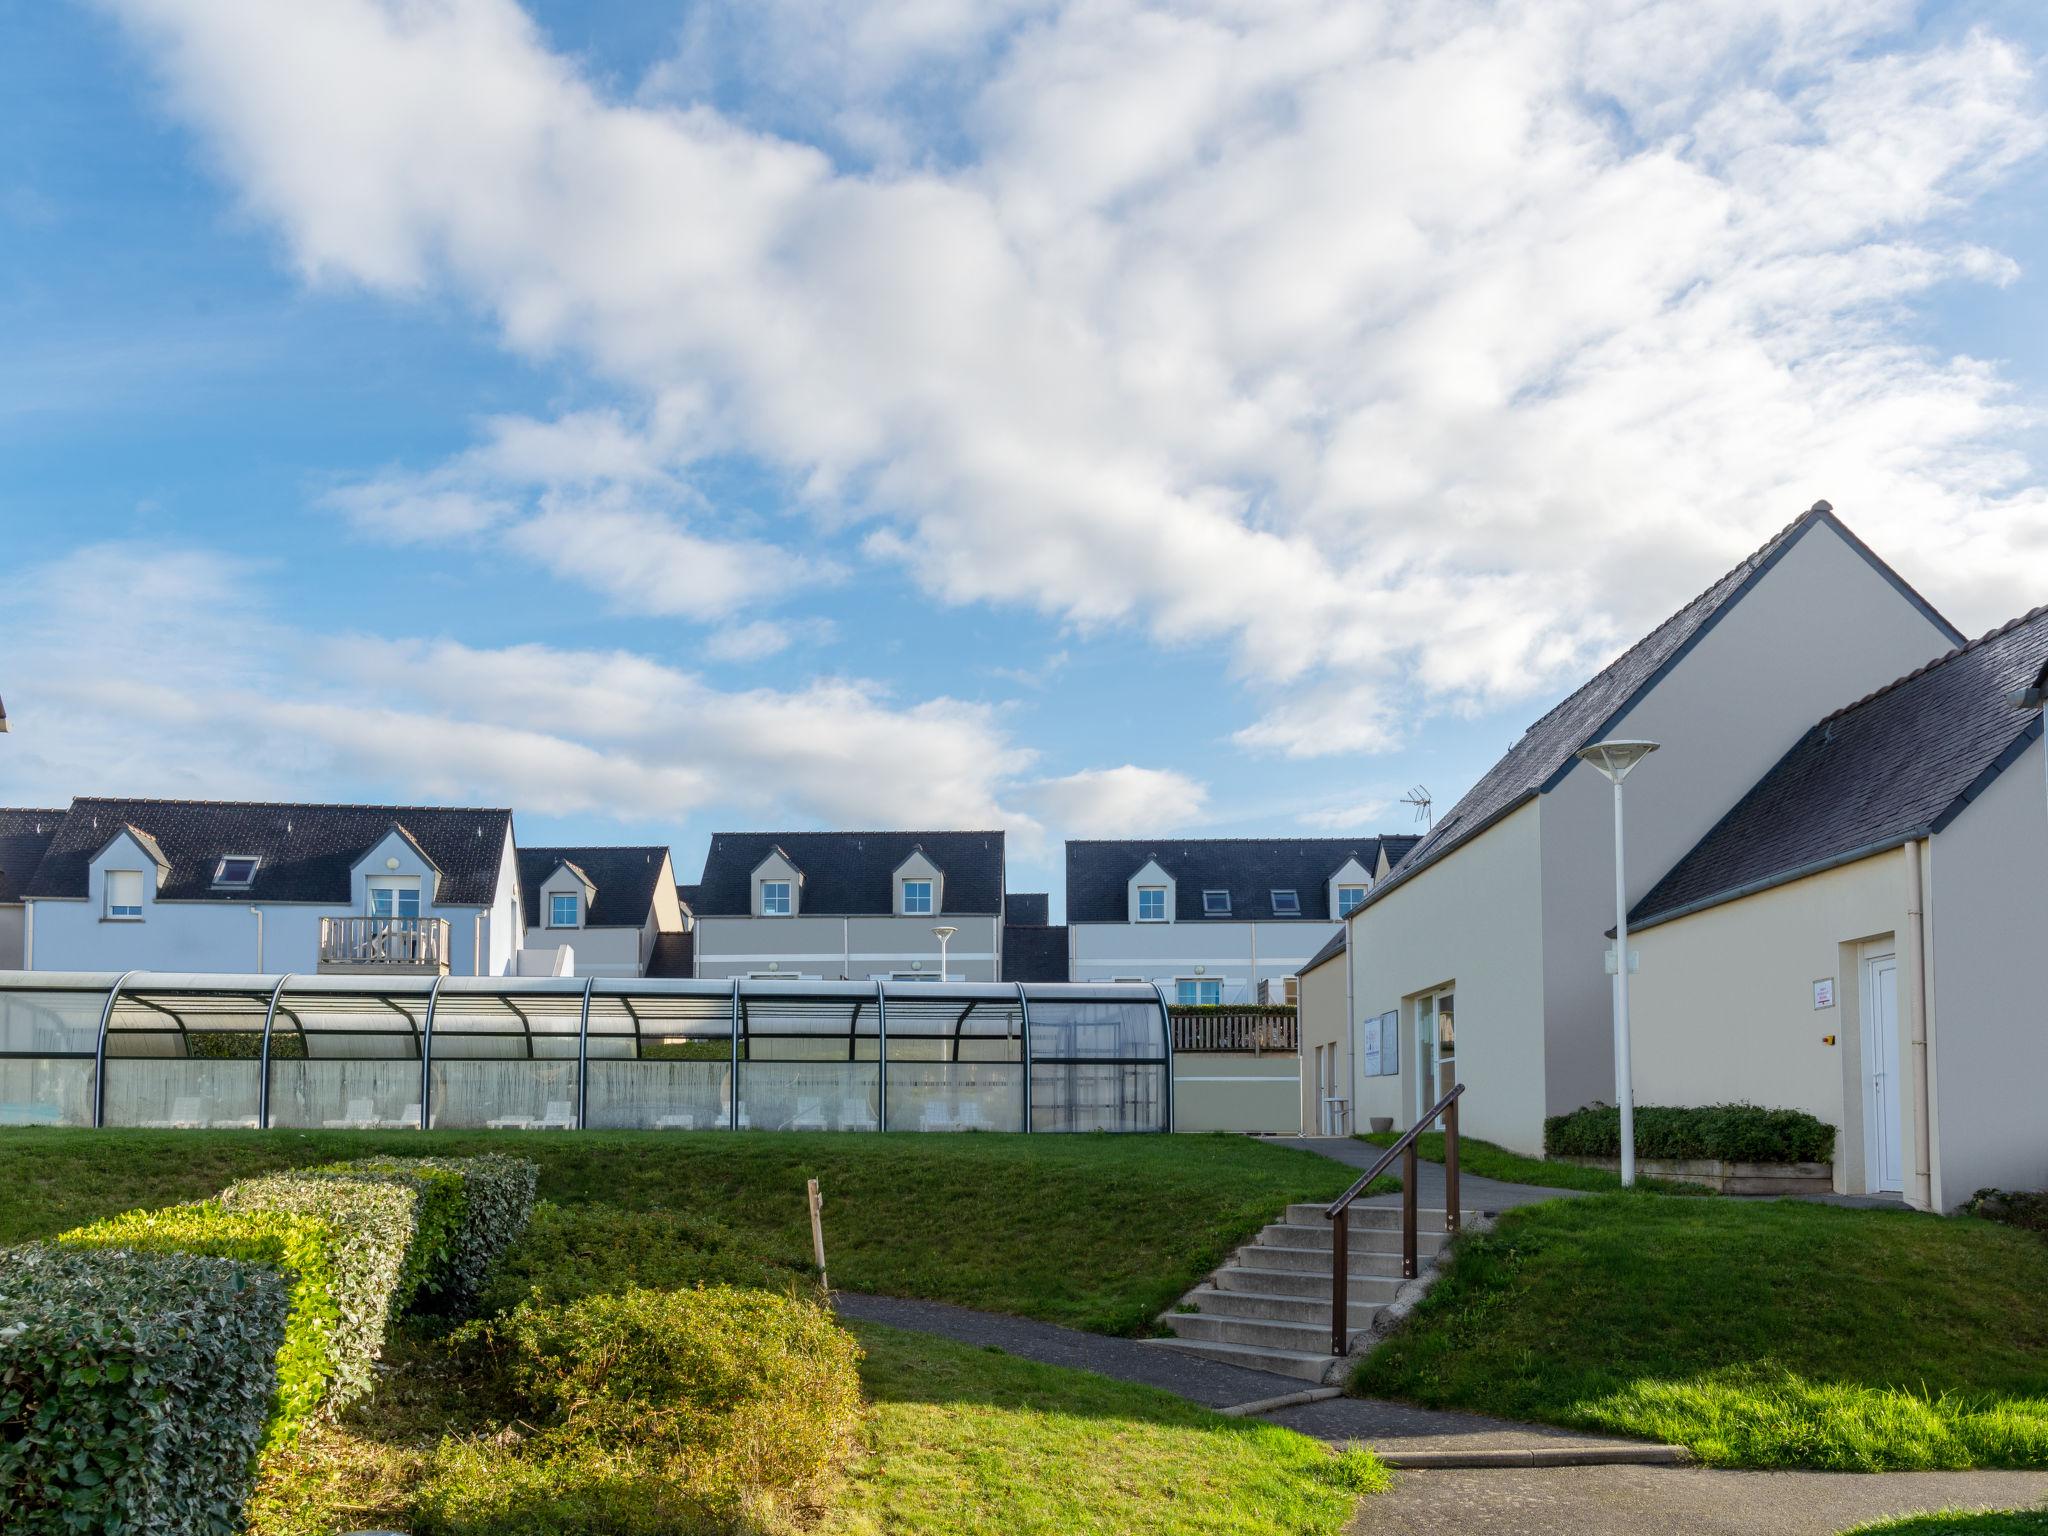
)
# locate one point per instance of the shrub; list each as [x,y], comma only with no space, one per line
[437,1222]
[369,1229]
[659,1410]
[243,1045]
[295,1246]
[2024,1208]
[497,1201]
[1734,1133]
[134,1390]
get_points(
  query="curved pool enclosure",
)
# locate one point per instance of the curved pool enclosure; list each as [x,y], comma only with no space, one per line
[359,1052]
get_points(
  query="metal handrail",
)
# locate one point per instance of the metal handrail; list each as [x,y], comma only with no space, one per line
[1340,1252]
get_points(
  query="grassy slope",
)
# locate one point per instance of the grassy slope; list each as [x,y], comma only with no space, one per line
[2000,1522]
[1489,1160]
[1094,1231]
[1759,1334]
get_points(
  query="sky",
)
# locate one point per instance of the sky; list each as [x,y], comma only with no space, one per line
[1087,419]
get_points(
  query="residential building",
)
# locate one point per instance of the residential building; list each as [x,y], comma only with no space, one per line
[610,908]
[1481,957]
[1859,936]
[1321,1008]
[1034,947]
[857,906]
[1211,919]
[198,885]
[24,834]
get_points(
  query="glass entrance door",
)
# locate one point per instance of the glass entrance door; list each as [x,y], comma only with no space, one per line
[1436,1047]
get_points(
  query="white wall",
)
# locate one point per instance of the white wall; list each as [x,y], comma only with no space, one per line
[1162,952]
[1987,912]
[1721,1008]
[1475,920]
[818,946]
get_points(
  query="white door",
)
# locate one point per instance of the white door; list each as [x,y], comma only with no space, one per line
[1882,1138]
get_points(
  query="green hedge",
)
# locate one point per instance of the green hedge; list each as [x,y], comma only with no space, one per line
[297,1247]
[496,1203]
[243,1045]
[134,1390]
[437,1223]
[370,1226]
[656,1412]
[1735,1133]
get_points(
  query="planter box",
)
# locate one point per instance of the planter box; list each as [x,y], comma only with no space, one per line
[1728,1178]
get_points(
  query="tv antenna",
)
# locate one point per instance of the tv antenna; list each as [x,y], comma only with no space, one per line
[1419,798]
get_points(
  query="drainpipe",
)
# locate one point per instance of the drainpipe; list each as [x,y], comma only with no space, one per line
[477,946]
[1916,1027]
[258,911]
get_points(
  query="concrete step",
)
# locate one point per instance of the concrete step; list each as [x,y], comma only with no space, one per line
[1427,1219]
[1310,1283]
[1259,1332]
[1276,1307]
[1317,1261]
[1304,1365]
[1288,1234]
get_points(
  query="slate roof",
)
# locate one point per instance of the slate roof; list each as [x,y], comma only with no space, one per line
[1034,952]
[1329,951]
[1397,847]
[1899,764]
[1250,868]
[850,874]
[1538,761]
[1027,908]
[24,834]
[625,879]
[673,955]
[307,851]
[689,896]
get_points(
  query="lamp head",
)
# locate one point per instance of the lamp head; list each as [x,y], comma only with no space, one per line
[944,933]
[2033,696]
[1615,758]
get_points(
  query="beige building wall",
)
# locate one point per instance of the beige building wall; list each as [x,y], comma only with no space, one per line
[1237,1091]
[1474,919]
[1987,915]
[1320,1015]
[1722,1007]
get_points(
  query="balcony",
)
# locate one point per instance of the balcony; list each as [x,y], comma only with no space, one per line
[384,946]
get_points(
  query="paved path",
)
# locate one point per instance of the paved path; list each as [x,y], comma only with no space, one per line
[1697,1501]
[1474,1193]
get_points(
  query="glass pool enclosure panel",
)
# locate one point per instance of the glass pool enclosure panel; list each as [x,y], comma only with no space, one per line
[561,1053]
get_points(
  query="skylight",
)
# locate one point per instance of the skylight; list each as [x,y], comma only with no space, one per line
[236,871]
[1286,903]
[1215,903]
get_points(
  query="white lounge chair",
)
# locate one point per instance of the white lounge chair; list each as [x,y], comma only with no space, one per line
[510,1123]
[971,1117]
[238,1123]
[678,1122]
[186,1115]
[361,1115]
[809,1116]
[560,1116]
[937,1117]
[409,1121]
[855,1115]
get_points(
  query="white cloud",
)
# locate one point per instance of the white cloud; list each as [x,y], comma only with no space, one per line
[764,638]
[1117,802]
[1422,356]
[1363,816]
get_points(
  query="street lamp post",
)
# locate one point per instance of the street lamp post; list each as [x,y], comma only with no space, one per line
[943,935]
[1615,759]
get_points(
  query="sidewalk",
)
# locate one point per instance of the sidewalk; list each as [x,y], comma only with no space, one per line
[1474,1193]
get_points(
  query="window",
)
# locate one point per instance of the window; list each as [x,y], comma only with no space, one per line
[394,898]
[563,907]
[236,872]
[917,898]
[775,898]
[124,894]
[1215,903]
[1286,903]
[1348,898]
[1198,991]
[916,976]
[1151,903]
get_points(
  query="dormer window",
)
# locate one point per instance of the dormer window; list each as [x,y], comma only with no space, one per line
[1215,903]
[917,898]
[236,872]
[1348,899]
[775,898]
[124,895]
[1286,903]
[565,909]
[1151,903]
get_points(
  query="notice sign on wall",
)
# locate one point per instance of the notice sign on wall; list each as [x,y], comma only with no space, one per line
[1371,1037]
[1824,992]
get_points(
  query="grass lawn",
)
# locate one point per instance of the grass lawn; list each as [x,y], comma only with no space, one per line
[1768,1334]
[959,1440]
[1997,1522]
[1097,1232]
[1489,1160]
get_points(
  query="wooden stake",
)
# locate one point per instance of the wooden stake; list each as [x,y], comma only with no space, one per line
[817,1202]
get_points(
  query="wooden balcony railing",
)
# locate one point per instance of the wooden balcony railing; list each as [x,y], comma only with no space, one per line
[409,943]
[1251,1030]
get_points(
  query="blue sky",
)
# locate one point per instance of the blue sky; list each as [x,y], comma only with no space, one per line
[1103,420]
